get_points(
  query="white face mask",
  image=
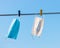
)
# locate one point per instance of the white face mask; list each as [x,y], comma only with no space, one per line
[38,26]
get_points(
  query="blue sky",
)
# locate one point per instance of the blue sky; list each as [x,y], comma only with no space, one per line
[50,37]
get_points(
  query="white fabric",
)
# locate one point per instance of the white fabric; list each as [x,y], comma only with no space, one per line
[38,26]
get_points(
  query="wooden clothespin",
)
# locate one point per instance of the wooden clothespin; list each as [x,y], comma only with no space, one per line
[41,12]
[19,13]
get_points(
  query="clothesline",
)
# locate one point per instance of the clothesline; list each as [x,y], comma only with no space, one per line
[37,27]
[23,14]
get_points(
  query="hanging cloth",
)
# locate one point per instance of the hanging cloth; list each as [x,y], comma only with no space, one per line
[38,26]
[14,29]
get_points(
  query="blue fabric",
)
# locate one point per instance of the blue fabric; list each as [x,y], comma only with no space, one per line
[14,30]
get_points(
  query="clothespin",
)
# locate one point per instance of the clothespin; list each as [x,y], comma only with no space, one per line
[19,13]
[41,12]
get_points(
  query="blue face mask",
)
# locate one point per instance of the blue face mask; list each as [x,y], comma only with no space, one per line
[14,29]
